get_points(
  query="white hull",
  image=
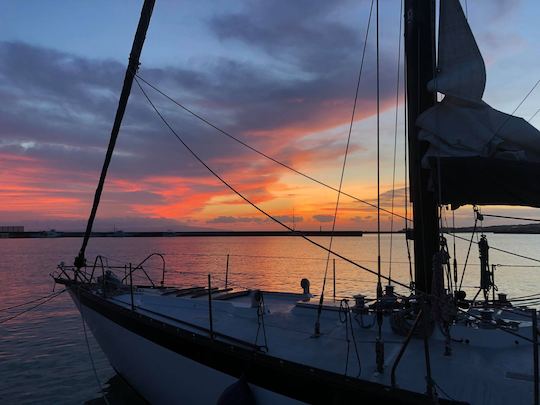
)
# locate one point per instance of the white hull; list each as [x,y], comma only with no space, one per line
[160,375]
[158,349]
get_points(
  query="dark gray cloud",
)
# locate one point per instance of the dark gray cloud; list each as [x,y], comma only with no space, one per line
[288,219]
[498,9]
[67,110]
[323,55]
[235,220]
[124,223]
[323,218]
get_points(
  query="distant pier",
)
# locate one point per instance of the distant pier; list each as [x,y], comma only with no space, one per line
[122,234]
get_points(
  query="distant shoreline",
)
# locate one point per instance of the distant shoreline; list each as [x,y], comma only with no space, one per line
[121,234]
[526,229]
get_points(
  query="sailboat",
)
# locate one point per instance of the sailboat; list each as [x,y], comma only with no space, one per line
[205,344]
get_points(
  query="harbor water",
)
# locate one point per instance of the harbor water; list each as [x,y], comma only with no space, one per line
[44,355]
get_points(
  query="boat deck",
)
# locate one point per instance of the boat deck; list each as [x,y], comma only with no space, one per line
[487,365]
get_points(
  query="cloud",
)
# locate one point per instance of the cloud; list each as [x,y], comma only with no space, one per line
[124,223]
[321,55]
[61,107]
[323,218]
[500,9]
[235,220]
[288,219]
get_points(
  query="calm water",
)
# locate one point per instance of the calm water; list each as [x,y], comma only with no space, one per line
[43,353]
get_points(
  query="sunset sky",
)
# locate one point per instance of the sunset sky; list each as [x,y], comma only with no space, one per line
[280,75]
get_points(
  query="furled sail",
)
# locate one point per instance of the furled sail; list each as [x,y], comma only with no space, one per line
[460,71]
[466,134]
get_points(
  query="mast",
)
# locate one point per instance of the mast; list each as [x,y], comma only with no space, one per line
[420,65]
[133,66]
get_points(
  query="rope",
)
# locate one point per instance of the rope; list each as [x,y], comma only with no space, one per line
[266,156]
[405,172]
[321,300]
[468,252]
[50,297]
[90,352]
[454,262]
[26,303]
[395,142]
[379,285]
[259,209]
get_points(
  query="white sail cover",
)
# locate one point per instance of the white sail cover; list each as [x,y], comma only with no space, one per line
[462,125]
[458,128]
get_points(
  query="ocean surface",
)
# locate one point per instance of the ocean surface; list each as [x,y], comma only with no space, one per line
[44,357]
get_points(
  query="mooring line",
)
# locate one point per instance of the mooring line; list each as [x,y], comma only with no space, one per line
[49,297]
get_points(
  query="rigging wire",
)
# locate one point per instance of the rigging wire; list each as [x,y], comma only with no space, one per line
[519,105]
[248,201]
[321,300]
[511,217]
[275,219]
[395,142]
[534,115]
[259,152]
[491,247]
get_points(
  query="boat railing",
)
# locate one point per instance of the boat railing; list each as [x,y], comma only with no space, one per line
[87,274]
[140,267]
[100,258]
